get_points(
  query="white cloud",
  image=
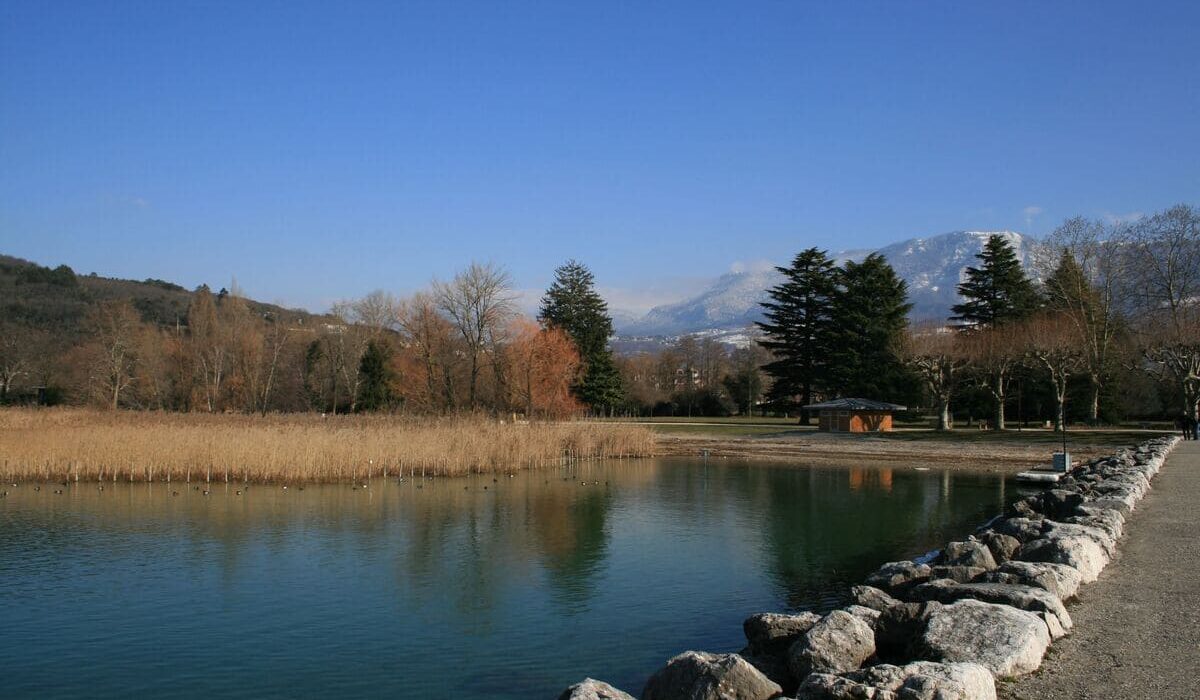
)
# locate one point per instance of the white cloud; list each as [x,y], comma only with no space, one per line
[1031,212]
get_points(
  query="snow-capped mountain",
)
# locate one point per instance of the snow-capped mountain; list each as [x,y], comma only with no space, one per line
[933,268]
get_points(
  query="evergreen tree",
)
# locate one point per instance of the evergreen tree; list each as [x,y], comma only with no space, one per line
[573,305]
[799,329]
[998,291]
[376,377]
[870,313]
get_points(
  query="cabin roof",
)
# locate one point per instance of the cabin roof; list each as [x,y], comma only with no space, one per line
[850,404]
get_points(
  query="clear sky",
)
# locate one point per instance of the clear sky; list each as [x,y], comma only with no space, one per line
[319,150]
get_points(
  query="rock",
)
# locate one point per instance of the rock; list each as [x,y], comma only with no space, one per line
[1111,521]
[867,615]
[773,633]
[775,668]
[1059,579]
[970,553]
[1057,530]
[1083,554]
[1053,625]
[899,630]
[897,576]
[1029,598]
[826,686]
[1112,504]
[921,680]
[959,574]
[840,642]
[1003,547]
[698,675]
[1058,503]
[1005,640]
[1021,529]
[871,597]
[591,689]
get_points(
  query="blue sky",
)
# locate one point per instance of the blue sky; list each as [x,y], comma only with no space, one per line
[316,151]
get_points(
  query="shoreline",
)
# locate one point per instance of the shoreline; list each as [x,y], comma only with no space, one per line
[959,622]
[823,449]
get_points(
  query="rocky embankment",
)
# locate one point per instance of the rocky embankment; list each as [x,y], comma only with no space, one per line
[940,628]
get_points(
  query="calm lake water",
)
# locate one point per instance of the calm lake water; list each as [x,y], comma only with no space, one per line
[446,591]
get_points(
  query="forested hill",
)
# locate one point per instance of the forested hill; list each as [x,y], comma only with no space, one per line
[57,300]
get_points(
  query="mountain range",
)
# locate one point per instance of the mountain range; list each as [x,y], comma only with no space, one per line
[932,267]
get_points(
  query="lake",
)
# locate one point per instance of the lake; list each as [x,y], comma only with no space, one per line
[447,588]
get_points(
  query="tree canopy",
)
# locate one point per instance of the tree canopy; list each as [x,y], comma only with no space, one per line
[573,305]
[799,328]
[998,290]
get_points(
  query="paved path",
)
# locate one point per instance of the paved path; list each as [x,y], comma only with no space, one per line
[1137,629]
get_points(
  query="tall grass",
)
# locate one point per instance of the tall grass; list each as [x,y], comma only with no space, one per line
[75,444]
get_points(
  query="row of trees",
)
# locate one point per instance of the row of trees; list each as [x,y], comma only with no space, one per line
[458,346]
[1111,302]
[694,376]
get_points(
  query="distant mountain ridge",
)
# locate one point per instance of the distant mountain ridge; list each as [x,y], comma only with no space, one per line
[932,266]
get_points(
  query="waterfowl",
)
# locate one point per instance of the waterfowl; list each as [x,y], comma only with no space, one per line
[239,492]
[37,488]
[58,490]
[174,493]
[206,492]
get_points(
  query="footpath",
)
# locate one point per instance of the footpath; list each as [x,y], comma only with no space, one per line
[1137,628]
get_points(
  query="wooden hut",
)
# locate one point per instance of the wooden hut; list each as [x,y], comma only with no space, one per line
[855,415]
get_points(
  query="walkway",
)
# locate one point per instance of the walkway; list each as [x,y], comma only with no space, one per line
[1137,629]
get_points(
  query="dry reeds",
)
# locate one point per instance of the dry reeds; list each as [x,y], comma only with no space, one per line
[76,444]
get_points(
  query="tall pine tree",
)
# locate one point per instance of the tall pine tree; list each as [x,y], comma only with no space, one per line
[996,292]
[376,376]
[870,310]
[573,305]
[799,329]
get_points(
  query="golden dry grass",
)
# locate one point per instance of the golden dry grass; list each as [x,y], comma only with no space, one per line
[70,444]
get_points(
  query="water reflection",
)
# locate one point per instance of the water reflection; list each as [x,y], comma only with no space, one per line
[480,587]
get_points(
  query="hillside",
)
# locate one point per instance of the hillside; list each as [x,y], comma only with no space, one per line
[56,300]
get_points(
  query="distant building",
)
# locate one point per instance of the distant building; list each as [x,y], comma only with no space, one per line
[855,415]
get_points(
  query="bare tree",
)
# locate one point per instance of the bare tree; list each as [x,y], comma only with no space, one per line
[1051,342]
[1083,263]
[937,355]
[993,353]
[478,301]
[16,355]
[429,336]
[115,327]
[1164,283]
[210,346]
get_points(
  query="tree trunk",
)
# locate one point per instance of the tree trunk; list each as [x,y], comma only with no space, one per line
[944,420]
[999,392]
[1094,408]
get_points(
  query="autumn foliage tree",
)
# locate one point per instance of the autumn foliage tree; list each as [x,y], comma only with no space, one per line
[545,365]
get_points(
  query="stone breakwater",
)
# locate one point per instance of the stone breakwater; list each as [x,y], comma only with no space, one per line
[943,627]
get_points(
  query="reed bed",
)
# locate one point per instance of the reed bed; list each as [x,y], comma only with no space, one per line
[79,445]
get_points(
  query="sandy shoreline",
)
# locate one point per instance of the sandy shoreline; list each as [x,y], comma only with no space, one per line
[857,451]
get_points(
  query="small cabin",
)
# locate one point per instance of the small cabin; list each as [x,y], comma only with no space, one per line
[855,415]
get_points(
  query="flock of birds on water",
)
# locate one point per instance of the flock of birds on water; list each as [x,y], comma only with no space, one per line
[356,486]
